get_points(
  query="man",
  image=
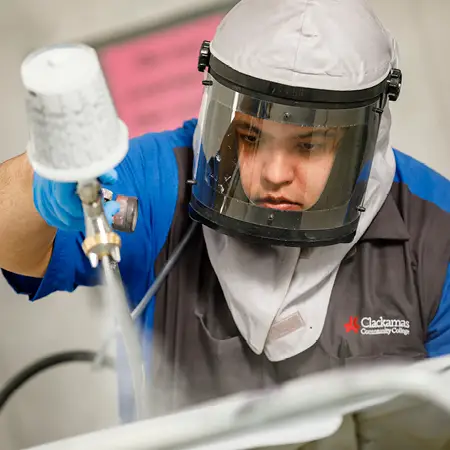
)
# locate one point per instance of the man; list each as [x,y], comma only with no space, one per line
[319,247]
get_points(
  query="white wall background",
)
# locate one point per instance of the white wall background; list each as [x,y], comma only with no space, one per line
[71,399]
[421,117]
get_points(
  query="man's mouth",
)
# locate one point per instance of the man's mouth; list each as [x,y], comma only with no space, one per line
[280,203]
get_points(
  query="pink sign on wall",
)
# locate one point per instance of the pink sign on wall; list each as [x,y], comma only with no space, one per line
[154,79]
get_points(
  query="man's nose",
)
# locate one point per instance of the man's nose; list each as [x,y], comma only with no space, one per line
[277,169]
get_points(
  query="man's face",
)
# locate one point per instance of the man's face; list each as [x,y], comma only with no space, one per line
[284,166]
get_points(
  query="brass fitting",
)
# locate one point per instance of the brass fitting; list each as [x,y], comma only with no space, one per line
[100,240]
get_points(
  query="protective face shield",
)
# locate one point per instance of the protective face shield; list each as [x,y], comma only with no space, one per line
[284,164]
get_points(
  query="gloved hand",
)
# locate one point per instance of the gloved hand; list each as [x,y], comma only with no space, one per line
[60,206]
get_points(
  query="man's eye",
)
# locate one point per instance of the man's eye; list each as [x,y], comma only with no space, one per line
[251,139]
[310,146]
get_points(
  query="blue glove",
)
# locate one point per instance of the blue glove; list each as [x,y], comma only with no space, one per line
[60,206]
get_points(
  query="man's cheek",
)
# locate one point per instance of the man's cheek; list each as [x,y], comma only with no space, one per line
[247,178]
[311,182]
[319,180]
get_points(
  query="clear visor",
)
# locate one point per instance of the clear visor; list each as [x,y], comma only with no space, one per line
[283,166]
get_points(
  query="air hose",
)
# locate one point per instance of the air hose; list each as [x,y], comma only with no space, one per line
[35,368]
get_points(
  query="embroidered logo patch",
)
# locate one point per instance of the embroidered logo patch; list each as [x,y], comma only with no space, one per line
[380,325]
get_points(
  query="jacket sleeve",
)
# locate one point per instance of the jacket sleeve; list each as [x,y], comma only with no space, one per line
[438,343]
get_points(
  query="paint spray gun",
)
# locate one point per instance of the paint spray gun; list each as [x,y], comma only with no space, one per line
[76,136]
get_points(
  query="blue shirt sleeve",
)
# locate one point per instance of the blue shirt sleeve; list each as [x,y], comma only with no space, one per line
[68,268]
[148,172]
[438,343]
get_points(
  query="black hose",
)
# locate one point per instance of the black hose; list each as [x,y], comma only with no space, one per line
[47,362]
[174,257]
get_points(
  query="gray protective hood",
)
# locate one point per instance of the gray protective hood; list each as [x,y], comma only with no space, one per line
[279,296]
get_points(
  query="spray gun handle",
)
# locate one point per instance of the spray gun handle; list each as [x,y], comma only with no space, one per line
[125,220]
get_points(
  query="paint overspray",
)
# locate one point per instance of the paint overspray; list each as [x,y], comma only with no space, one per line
[150,399]
[127,332]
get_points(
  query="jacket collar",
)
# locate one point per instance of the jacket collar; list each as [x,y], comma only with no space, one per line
[388,224]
